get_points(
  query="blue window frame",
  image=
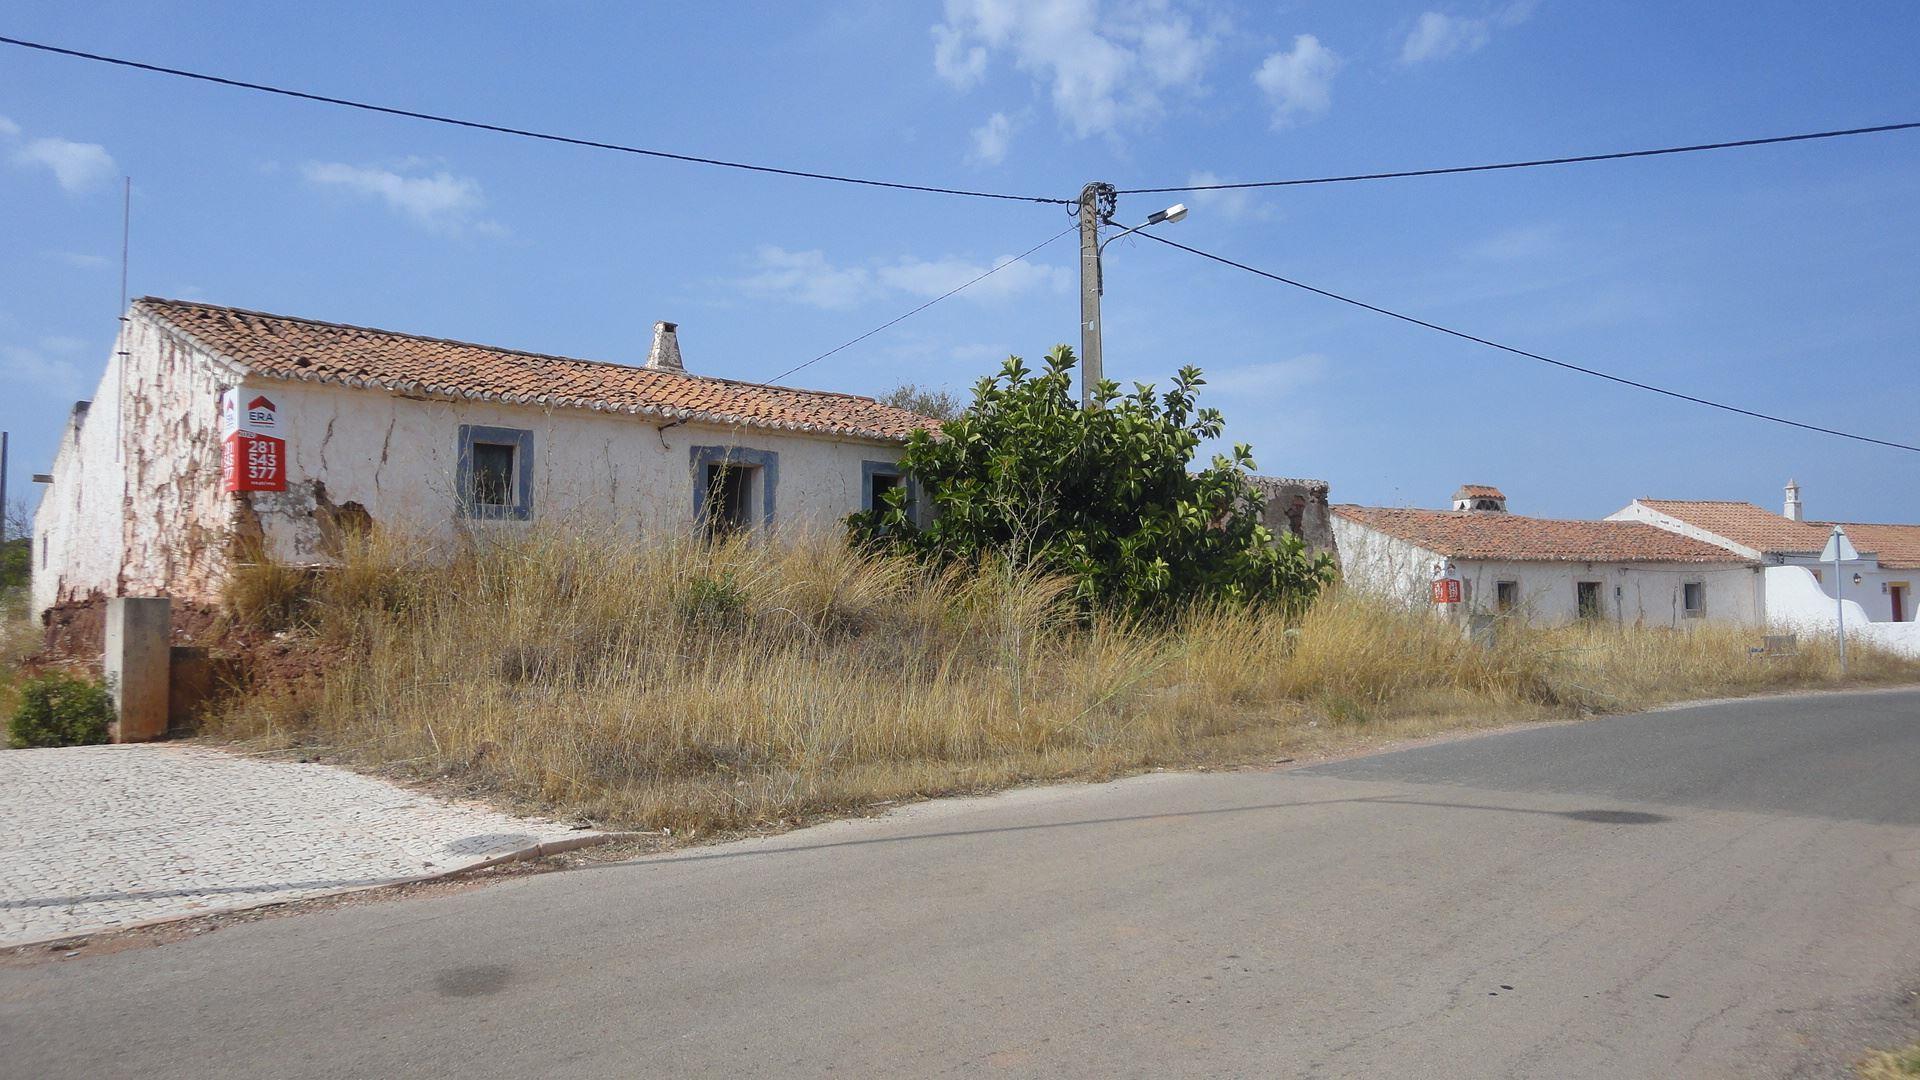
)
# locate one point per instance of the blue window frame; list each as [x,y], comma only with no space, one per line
[877,476]
[709,461]
[496,473]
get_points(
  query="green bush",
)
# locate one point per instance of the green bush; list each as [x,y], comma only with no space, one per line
[60,710]
[15,556]
[1105,496]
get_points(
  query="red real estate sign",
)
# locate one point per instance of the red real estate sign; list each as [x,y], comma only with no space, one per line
[251,462]
[1446,590]
[251,459]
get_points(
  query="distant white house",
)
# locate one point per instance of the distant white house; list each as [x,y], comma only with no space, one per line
[1876,590]
[1545,570]
[214,425]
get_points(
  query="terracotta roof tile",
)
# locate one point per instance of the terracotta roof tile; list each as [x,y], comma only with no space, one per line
[286,347]
[1744,524]
[1466,534]
[1478,491]
[1896,546]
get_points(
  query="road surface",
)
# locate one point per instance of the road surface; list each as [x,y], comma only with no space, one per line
[1729,890]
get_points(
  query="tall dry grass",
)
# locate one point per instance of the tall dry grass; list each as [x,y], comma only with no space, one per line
[702,687]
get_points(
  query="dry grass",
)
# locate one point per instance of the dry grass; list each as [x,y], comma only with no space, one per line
[676,685]
[1892,1064]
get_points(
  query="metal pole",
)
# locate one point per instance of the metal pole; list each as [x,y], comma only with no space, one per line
[3,487]
[1096,200]
[1839,603]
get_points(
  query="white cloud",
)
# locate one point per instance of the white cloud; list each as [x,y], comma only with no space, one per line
[8,129]
[38,367]
[81,261]
[1105,68]
[441,201]
[932,277]
[806,277]
[1436,35]
[812,279]
[1299,83]
[77,166]
[1233,204]
[1515,245]
[991,140]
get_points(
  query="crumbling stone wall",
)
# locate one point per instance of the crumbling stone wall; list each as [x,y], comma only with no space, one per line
[1298,507]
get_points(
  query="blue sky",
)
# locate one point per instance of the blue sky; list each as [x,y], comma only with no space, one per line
[1783,279]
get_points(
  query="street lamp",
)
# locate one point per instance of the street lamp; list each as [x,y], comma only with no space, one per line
[1096,209]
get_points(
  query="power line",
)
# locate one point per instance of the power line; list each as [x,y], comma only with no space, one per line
[901,318]
[1531,355]
[521,132]
[1451,170]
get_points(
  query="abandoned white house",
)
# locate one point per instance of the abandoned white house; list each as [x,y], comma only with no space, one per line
[1875,590]
[214,423]
[1543,570]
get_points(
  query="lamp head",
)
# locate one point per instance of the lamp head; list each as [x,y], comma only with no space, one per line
[1171,213]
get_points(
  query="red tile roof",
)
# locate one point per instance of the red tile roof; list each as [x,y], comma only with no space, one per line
[286,347]
[1466,534]
[1897,546]
[1478,491]
[1744,524]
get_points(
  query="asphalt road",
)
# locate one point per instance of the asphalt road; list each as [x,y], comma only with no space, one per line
[1726,891]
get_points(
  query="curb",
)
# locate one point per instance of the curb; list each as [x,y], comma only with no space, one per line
[534,851]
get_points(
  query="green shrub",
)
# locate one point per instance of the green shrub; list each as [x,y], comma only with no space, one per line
[60,710]
[714,602]
[1105,496]
[15,557]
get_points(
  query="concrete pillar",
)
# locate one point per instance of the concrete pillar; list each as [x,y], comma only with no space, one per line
[138,656]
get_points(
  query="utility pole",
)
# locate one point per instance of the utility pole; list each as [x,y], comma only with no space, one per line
[3,486]
[1097,201]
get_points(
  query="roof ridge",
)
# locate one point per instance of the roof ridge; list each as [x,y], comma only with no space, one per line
[154,300]
[1488,515]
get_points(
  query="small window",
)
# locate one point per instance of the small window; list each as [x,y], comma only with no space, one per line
[496,472]
[1506,596]
[879,477]
[492,474]
[1693,598]
[1587,596]
[729,491]
[877,487]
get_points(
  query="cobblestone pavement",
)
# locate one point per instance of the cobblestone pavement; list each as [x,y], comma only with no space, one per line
[96,837]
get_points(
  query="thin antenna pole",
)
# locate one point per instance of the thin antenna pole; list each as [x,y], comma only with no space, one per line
[126,230]
[120,342]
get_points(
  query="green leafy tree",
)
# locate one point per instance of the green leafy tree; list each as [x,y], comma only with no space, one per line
[927,401]
[1105,495]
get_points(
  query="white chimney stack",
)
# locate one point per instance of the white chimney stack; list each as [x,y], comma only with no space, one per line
[1795,510]
[665,354]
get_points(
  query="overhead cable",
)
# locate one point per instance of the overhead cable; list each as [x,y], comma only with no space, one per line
[524,133]
[900,318]
[1463,335]
[1456,169]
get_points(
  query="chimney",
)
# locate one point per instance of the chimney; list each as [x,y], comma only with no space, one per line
[665,354]
[1482,497]
[1795,510]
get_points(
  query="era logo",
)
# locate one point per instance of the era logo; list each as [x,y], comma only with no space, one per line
[260,413]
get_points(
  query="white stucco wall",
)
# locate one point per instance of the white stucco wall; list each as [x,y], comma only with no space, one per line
[1631,593]
[398,458]
[1798,602]
[135,508]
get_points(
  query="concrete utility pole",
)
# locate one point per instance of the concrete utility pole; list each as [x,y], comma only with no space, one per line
[1097,202]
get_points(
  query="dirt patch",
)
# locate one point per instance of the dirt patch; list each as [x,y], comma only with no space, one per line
[74,632]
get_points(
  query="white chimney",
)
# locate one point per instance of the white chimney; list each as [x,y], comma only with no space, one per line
[665,354]
[1795,511]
